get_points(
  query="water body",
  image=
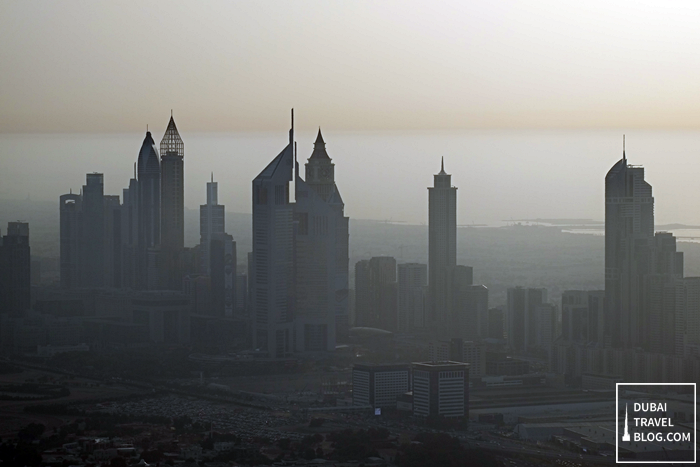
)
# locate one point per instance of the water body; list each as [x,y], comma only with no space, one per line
[501,175]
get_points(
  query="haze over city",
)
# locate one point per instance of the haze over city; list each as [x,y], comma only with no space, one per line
[442,77]
[349,233]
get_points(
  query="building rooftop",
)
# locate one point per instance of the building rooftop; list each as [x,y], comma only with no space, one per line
[446,365]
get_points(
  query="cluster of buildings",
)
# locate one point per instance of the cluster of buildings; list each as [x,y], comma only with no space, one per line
[645,325]
[126,277]
[424,389]
[299,263]
[405,298]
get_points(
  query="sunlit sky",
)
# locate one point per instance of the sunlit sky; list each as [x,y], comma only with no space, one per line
[95,66]
[527,100]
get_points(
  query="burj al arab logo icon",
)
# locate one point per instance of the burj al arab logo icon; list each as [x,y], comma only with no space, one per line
[626,434]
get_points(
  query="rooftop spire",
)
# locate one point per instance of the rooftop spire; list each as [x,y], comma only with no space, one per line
[172,144]
[442,166]
[291,130]
[624,157]
[319,147]
[212,177]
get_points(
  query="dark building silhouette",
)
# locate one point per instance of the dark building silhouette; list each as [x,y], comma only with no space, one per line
[523,316]
[15,270]
[582,318]
[412,288]
[272,280]
[496,323]
[70,207]
[212,221]
[130,234]
[640,267]
[91,245]
[376,293]
[172,235]
[442,250]
[92,232]
[149,194]
[320,255]
[112,241]
[222,251]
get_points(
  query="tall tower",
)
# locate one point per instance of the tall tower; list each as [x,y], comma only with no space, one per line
[172,236]
[212,221]
[442,249]
[321,256]
[412,281]
[70,208]
[320,171]
[629,235]
[15,274]
[272,283]
[91,269]
[130,234]
[376,293]
[149,213]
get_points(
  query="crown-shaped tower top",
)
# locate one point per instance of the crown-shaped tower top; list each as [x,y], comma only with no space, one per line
[319,148]
[172,144]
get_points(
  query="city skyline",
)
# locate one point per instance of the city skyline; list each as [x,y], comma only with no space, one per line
[286,292]
[489,166]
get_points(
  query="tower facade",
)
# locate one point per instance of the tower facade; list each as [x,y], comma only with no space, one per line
[442,249]
[321,255]
[130,233]
[92,233]
[412,281]
[523,317]
[70,207]
[148,214]
[272,281]
[212,221]
[376,293]
[172,235]
[15,274]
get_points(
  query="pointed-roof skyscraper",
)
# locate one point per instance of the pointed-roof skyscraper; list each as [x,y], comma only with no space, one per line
[172,151]
[148,169]
[442,250]
[321,252]
[272,281]
[320,171]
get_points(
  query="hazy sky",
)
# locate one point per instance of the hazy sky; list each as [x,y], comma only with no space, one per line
[115,66]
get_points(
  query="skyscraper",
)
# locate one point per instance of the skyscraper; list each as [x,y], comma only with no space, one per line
[70,207]
[272,282]
[582,316]
[639,265]
[321,255]
[523,316]
[92,232]
[130,233]
[376,292]
[172,236]
[212,221]
[412,282]
[112,242]
[442,249]
[222,251]
[149,214]
[15,272]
